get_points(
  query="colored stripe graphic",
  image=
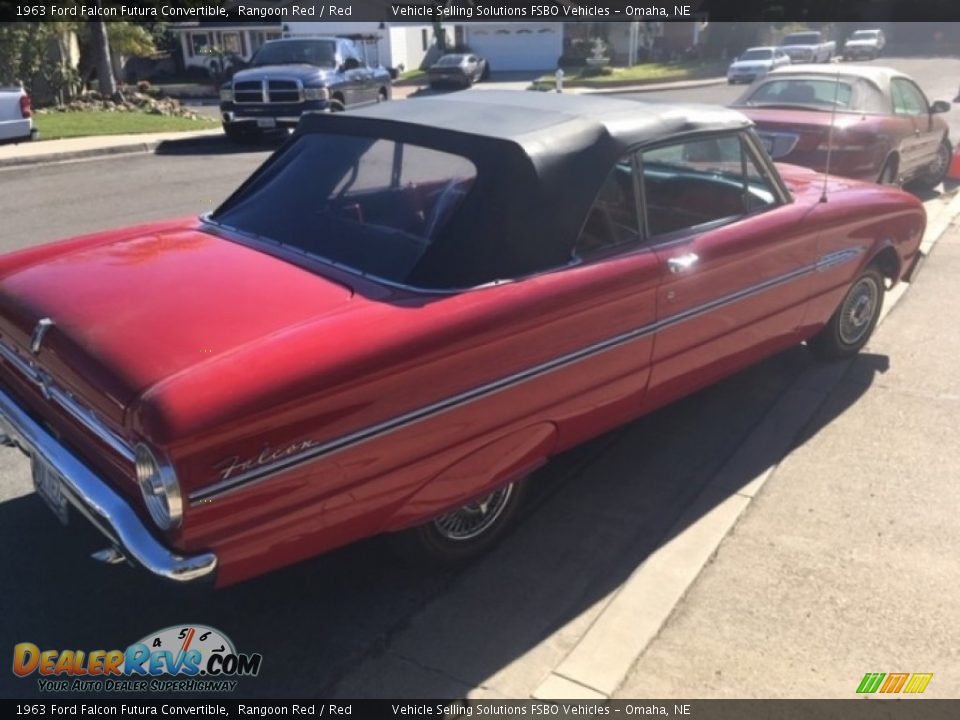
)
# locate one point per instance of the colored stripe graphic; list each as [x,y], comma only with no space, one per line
[894,683]
[870,682]
[918,682]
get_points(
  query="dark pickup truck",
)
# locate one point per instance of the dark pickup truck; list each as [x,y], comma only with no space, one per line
[289,77]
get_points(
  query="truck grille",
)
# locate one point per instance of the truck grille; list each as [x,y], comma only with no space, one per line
[249,92]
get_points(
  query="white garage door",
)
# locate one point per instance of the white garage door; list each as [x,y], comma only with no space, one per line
[517,46]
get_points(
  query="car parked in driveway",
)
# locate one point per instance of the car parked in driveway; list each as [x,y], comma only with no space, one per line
[809,46]
[873,123]
[293,76]
[866,44]
[16,114]
[462,69]
[755,62]
[407,310]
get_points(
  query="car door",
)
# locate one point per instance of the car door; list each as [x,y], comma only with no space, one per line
[735,259]
[919,144]
[926,134]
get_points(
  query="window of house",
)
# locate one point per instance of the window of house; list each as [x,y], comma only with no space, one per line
[613,220]
[700,182]
[199,43]
[231,43]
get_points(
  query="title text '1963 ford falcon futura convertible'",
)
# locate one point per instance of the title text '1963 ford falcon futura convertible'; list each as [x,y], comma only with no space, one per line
[408,309]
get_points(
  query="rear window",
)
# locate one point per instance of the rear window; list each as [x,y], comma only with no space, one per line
[449,60]
[819,93]
[370,204]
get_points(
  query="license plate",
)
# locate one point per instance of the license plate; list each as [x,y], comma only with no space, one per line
[266,122]
[49,486]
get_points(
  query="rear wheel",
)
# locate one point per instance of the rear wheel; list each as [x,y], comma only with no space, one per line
[465,532]
[850,327]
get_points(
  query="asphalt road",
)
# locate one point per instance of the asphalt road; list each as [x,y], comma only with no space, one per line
[594,515]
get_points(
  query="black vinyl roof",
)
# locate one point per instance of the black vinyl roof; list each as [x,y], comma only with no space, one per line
[541,159]
[534,119]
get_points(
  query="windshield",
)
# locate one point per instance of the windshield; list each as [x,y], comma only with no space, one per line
[757,54]
[808,93]
[864,35]
[810,38]
[370,204]
[448,60]
[321,53]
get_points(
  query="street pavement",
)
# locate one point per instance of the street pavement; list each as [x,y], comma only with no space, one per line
[827,489]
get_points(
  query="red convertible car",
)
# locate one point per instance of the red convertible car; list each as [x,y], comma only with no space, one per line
[873,123]
[408,309]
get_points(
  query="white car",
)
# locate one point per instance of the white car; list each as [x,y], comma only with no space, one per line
[755,62]
[864,44]
[16,114]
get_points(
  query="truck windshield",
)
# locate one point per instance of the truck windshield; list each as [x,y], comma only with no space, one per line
[372,205]
[321,53]
[810,38]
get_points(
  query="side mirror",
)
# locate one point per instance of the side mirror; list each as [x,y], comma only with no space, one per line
[940,106]
[350,64]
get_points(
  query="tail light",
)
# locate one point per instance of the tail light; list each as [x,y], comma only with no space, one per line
[26,110]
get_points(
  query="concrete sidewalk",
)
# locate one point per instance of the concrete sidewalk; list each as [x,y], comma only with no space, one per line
[846,562]
[51,151]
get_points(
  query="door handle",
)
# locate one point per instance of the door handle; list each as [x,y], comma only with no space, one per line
[682,263]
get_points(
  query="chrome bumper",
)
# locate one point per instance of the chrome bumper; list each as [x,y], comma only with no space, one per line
[96,501]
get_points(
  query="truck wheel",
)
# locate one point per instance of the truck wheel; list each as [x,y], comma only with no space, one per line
[852,324]
[238,134]
[465,532]
[336,105]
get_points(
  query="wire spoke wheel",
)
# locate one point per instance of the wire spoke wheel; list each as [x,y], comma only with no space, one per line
[474,519]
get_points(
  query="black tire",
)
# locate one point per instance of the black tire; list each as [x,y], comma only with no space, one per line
[888,175]
[851,326]
[465,533]
[382,96]
[337,105]
[936,173]
[485,75]
[238,134]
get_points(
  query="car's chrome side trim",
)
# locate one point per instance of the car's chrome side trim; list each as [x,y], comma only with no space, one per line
[54,393]
[97,502]
[205,494]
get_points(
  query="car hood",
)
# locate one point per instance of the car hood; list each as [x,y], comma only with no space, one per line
[133,311]
[304,73]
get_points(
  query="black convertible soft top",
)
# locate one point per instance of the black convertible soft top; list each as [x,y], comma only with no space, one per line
[541,159]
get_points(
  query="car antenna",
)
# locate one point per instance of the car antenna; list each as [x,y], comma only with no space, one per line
[833,120]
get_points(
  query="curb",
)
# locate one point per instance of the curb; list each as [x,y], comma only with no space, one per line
[601,659]
[652,87]
[146,146]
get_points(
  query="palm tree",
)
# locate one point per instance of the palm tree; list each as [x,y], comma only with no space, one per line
[101,52]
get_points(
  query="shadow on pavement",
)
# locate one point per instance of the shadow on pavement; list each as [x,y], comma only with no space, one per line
[221,145]
[595,515]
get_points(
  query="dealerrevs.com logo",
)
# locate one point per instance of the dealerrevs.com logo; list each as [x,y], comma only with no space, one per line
[182,658]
